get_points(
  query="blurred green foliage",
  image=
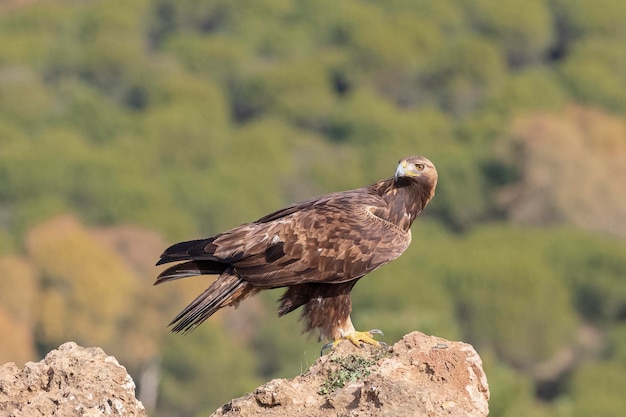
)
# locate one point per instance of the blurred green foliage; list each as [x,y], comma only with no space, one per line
[189,117]
[596,389]
[207,359]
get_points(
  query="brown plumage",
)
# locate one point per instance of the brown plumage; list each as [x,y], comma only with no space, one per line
[318,249]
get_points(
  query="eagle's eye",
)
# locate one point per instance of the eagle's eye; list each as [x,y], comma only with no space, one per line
[420,167]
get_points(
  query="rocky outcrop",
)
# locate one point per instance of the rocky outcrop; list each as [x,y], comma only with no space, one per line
[69,381]
[418,376]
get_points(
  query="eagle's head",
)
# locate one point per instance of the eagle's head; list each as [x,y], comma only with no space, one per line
[416,168]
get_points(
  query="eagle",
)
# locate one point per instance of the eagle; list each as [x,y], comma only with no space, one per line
[318,249]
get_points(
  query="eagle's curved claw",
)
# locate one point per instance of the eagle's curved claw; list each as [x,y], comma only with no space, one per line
[328,346]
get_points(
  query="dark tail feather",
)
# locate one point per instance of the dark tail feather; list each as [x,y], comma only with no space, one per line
[227,290]
[183,251]
[190,269]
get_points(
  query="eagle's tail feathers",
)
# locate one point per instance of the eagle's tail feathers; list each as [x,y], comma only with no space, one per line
[183,251]
[228,289]
[190,269]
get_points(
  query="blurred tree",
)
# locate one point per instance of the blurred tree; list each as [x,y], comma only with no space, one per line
[202,371]
[20,346]
[24,99]
[218,57]
[533,89]
[169,17]
[19,290]
[547,150]
[141,333]
[582,18]
[95,116]
[85,286]
[504,290]
[26,31]
[462,198]
[300,92]
[191,133]
[510,393]
[280,348]
[617,343]
[594,267]
[379,43]
[596,390]
[104,46]
[19,296]
[463,74]
[595,71]
[523,30]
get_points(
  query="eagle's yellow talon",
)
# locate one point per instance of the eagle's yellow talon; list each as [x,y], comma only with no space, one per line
[359,338]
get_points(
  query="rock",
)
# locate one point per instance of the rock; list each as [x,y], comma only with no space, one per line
[69,381]
[418,376]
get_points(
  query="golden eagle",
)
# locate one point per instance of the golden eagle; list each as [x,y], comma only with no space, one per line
[318,249]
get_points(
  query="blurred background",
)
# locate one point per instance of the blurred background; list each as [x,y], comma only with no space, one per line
[126,126]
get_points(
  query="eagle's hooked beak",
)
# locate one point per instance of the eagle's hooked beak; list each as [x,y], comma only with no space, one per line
[401,171]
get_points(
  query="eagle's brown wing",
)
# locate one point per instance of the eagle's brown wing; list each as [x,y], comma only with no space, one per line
[332,239]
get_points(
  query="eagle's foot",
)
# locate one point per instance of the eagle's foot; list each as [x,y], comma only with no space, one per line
[358,339]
